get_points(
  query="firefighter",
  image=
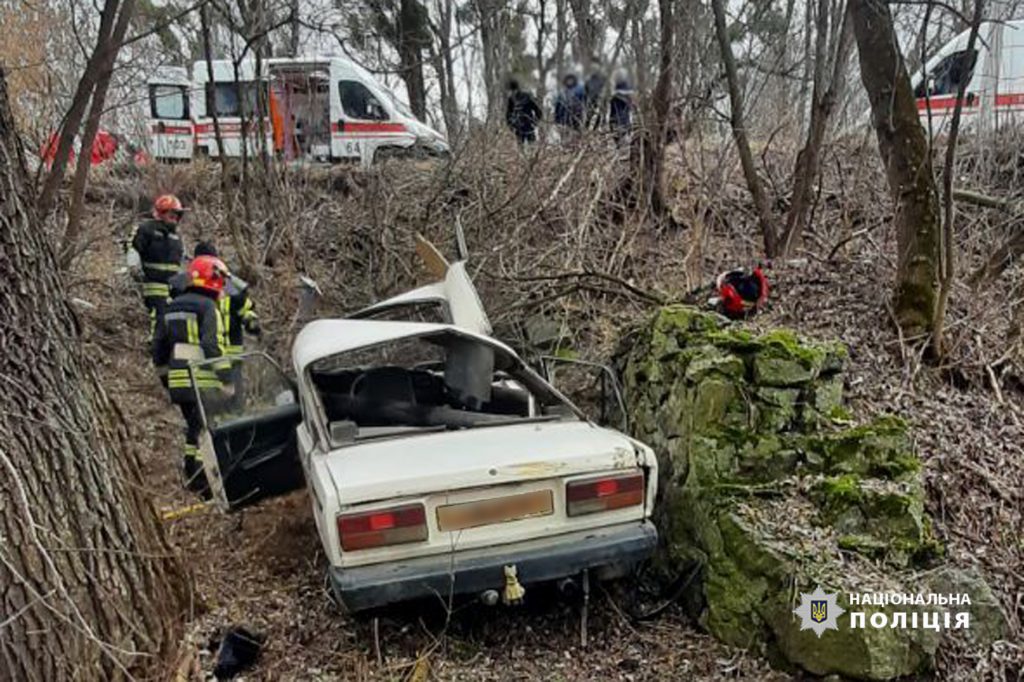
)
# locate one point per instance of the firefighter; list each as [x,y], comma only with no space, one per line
[188,332]
[160,253]
[236,307]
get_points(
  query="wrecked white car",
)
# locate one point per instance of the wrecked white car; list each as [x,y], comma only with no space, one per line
[437,461]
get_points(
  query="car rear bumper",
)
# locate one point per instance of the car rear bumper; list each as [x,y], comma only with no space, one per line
[365,587]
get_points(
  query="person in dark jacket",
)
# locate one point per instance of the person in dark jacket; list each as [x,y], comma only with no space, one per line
[593,93]
[620,109]
[187,336]
[569,104]
[522,113]
[160,251]
[238,313]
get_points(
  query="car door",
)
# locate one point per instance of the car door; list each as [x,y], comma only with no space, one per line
[248,442]
[591,386]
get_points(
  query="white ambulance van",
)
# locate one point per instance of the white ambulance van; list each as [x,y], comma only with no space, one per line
[993,71]
[319,108]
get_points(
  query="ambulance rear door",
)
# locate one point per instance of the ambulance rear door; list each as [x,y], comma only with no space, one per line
[169,123]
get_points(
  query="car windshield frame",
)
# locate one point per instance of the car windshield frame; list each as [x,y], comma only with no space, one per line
[512,366]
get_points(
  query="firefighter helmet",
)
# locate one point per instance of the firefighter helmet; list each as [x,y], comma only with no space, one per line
[742,293]
[207,272]
[167,204]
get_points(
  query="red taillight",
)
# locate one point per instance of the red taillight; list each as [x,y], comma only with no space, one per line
[604,494]
[393,526]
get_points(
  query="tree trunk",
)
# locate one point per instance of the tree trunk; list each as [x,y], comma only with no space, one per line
[444,65]
[411,26]
[89,589]
[904,151]
[73,119]
[662,103]
[823,102]
[69,244]
[947,235]
[296,32]
[586,33]
[739,133]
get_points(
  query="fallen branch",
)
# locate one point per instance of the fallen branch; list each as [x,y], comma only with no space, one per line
[1010,249]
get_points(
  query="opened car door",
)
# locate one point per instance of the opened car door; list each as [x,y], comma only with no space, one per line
[248,441]
[591,386]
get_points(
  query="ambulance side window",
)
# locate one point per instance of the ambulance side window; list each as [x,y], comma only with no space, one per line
[168,102]
[948,74]
[359,103]
[225,95]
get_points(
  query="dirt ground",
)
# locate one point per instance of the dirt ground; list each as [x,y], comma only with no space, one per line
[262,567]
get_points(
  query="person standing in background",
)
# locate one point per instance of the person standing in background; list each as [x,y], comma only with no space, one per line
[522,113]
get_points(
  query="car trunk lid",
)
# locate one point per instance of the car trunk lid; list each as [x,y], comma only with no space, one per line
[488,456]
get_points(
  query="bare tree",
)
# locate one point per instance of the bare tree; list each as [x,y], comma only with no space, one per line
[405,25]
[94,69]
[443,59]
[97,104]
[739,132]
[88,586]
[825,96]
[905,155]
[947,251]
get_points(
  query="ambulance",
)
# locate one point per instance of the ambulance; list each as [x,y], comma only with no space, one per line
[317,108]
[993,72]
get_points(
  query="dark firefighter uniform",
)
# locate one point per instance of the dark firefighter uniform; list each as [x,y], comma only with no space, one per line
[190,331]
[238,314]
[160,251]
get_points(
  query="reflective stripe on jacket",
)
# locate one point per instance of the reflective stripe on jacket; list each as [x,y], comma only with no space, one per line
[190,333]
[238,314]
[160,250]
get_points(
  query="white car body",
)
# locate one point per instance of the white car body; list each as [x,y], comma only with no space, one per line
[506,491]
[994,97]
[326,108]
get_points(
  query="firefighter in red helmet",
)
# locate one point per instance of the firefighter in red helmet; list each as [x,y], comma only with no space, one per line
[159,251]
[187,337]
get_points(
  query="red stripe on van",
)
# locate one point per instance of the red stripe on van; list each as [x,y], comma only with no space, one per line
[1009,100]
[357,127]
[945,102]
[948,102]
[233,127]
[164,129]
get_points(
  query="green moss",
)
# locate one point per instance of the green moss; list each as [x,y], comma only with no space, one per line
[787,344]
[838,492]
[840,415]
[566,353]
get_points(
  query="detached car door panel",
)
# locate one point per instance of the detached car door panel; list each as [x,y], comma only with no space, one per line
[249,443]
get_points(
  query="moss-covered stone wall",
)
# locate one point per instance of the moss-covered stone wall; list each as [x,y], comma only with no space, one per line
[772,487]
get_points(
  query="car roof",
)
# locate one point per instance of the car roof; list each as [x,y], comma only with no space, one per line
[323,338]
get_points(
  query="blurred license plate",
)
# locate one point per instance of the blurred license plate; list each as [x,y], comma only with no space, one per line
[497,510]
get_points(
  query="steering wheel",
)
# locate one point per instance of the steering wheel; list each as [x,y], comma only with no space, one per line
[353,389]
